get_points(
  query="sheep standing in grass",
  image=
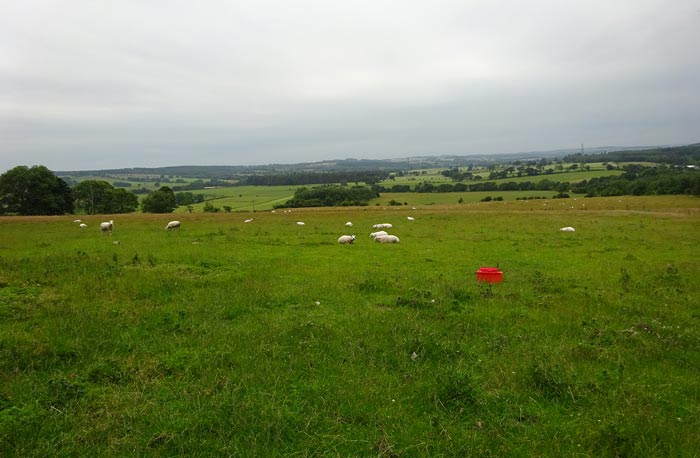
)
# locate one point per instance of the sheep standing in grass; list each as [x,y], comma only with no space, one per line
[410,218]
[346,239]
[374,235]
[107,227]
[567,229]
[83,225]
[172,225]
[300,223]
[387,239]
[382,226]
[348,224]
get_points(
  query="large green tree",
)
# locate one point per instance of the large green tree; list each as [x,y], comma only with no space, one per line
[160,201]
[93,196]
[34,191]
[124,201]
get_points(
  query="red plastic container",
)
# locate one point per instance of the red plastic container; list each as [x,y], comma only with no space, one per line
[489,275]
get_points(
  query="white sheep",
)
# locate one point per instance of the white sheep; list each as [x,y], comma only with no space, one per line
[172,225]
[567,229]
[107,227]
[348,224]
[387,239]
[410,218]
[300,223]
[382,226]
[77,220]
[248,220]
[346,239]
[374,235]
[83,225]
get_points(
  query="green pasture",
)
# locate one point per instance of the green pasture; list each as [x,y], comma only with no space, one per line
[147,182]
[441,198]
[268,338]
[244,198]
[572,176]
[261,198]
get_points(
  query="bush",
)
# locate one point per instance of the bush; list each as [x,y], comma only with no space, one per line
[330,196]
[160,201]
[210,208]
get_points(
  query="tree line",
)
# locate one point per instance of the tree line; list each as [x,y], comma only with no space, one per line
[635,180]
[427,187]
[301,178]
[677,155]
[330,196]
[38,191]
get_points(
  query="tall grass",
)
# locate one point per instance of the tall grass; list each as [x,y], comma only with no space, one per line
[270,339]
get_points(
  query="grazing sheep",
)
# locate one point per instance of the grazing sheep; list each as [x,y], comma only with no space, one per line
[300,223]
[172,225]
[346,239]
[107,227]
[374,235]
[348,224]
[382,226]
[410,218]
[567,229]
[248,220]
[83,225]
[77,220]
[387,239]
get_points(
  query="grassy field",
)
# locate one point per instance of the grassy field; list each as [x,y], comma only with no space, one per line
[261,198]
[441,198]
[244,198]
[434,175]
[267,338]
[144,181]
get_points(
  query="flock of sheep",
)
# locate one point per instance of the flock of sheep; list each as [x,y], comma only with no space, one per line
[380,236]
[106,227]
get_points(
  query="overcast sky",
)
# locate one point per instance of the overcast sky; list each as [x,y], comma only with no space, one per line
[94,84]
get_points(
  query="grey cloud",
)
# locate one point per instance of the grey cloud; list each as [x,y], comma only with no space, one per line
[89,84]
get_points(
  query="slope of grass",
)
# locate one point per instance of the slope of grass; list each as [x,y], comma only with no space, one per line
[267,338]
[244,198]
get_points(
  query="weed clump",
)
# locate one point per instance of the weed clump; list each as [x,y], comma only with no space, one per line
[61,391]
[549,380]
[416,298]
[456,390]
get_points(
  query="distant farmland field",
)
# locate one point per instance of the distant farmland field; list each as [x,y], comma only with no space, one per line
[442,198]
[267,338]
[434,176]
[244,198]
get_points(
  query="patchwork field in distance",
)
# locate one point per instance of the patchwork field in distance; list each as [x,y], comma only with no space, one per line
[243,198]
[266,338]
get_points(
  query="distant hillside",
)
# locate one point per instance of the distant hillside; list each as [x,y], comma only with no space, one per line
[674,155]
[352,165]
[190,171]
